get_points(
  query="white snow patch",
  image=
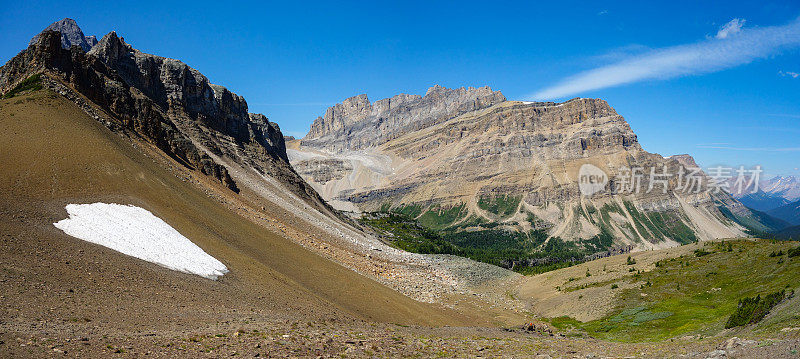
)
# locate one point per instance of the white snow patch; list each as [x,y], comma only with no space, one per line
[138,233]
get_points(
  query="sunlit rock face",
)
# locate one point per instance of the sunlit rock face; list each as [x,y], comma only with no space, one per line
[458,158]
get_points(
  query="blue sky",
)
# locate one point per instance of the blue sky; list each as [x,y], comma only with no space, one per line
[740,105]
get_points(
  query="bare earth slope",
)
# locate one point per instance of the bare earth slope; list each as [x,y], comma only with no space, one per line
[57,155]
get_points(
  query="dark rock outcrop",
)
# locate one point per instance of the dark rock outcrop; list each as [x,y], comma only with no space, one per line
[101,85]
[164,101]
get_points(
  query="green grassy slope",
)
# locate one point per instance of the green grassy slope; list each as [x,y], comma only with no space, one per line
[695,294]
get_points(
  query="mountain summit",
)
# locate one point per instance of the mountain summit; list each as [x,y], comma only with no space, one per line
[356,123]
[71,35]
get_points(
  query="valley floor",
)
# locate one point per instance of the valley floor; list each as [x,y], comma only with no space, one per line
[327,339]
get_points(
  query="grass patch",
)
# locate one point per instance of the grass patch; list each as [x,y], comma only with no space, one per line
[33,83]
[408,235]
[441,218]
[503,206]
[411,211]
[700,293]
[661,225]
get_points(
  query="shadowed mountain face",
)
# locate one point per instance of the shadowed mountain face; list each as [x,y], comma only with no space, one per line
[762,201]
[481,162]
[203,126]
[789,213]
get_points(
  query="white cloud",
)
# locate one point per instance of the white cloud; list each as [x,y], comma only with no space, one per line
[706,56]
[730,28]
[791,74]
[604,12]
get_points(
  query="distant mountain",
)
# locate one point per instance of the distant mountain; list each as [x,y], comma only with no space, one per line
[772,193]
[71,35]
[789,213]
[763,201]
[792,233]
[787,187]
[468,160]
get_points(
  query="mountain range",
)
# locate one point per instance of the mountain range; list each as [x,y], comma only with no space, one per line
[771,194]
[469,160]
[412,224]
[789,212]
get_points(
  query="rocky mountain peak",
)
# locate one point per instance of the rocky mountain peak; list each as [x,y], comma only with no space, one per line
[356,123]
[111,48]
[787,187]
[685,160]
[71,35]
[434,89]
[203,126]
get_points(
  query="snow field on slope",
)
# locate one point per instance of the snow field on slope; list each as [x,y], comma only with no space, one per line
[138,233]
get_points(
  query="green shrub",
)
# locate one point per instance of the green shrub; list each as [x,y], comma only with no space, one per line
[776,254]
[752,310]
[33,83]
[701,252]
[794,252]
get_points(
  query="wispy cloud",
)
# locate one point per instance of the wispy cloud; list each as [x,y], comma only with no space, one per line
[730,28]
[732,49]
[604,12]
[791,74]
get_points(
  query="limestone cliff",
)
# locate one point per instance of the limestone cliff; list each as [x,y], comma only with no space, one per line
[357,124]
[504,164]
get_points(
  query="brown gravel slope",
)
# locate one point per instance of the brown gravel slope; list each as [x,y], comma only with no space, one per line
[53,154]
